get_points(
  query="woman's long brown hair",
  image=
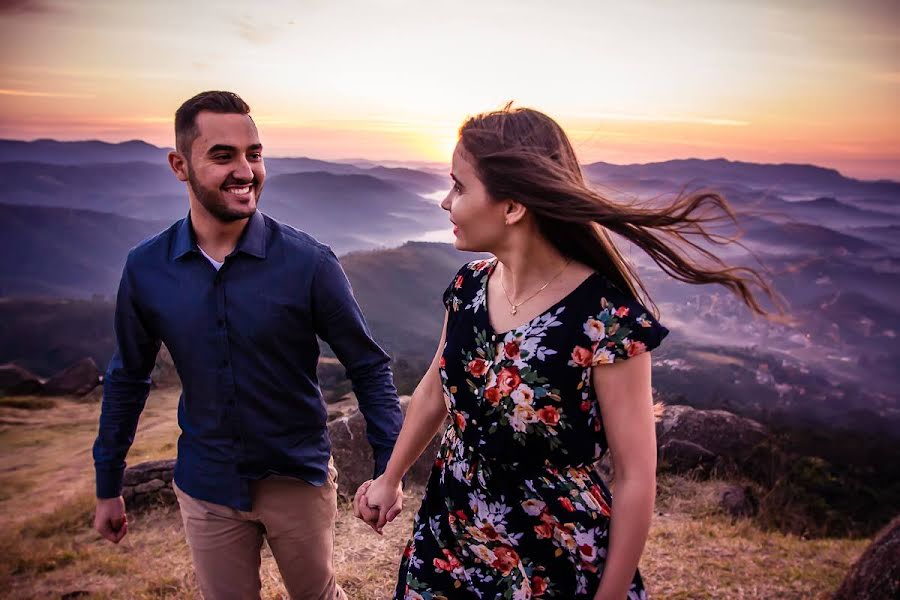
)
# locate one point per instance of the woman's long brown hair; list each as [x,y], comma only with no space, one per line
[523,155]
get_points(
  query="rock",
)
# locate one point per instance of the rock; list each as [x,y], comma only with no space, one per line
[681,456]
[149,484]
[876,575]
[738,501]
[164,372]
[76,380]
[18,381]
[726,436]
[353,454]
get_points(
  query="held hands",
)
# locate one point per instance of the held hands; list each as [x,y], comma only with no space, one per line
[110,518]
[378,502]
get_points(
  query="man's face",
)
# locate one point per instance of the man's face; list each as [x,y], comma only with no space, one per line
[225,168]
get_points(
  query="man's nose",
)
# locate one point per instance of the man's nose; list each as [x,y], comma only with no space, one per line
[242,169]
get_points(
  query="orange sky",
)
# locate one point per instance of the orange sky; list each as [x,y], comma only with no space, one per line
[759,80]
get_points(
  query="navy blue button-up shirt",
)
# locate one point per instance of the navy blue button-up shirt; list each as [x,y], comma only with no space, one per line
[244,342]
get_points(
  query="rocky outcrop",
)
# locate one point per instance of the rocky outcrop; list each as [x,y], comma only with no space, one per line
[18,381]
[876,575]
[149,484]
[705,442]
[76,380]
[353,455]
[738,501]
[164,372]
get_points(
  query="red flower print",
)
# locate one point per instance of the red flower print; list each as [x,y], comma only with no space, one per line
[511,350]
[447,565]
[582,356]
[598,496]
[507,559]
[566,504]
[492,395]
[543,531]
[461,515]
[635,348]
[407,552]
[478,367]
[538,586]
[587,552]
[458,282]
[549,415]
[508,380]
[622,311]
[586,405]
[443,362]
[489,531]
[460,421]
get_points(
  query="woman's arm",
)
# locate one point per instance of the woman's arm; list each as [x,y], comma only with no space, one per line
[626,403]
[426,413]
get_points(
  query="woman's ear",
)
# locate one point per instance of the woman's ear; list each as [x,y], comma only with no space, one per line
[515,212]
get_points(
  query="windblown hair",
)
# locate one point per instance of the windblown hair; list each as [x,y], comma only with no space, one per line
[523,155]
[186,116]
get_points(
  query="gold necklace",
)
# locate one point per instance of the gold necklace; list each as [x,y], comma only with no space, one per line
[514,308]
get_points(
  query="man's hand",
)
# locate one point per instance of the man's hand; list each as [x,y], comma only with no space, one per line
[361,509]
[386,498]
[110,518]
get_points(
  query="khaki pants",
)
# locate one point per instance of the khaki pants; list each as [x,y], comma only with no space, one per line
[297,520]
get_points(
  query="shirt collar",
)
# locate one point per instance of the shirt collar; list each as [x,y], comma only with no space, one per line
[253,239]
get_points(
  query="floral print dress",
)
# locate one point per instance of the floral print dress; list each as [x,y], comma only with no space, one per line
[513,507]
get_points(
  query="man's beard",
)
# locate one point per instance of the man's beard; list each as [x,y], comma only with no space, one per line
[212,200]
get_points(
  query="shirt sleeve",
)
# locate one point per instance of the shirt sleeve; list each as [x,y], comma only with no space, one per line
[340,322]
[619,329]
[126,385]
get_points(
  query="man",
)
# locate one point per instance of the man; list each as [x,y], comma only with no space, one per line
[239,300]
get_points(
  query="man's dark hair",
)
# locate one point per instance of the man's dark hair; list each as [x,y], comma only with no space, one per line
[186,116]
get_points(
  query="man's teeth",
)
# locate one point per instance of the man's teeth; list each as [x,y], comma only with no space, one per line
[240,190]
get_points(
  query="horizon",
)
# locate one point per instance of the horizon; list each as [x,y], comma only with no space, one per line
[439,164]
[814,83]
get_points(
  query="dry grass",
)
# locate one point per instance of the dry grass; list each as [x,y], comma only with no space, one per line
[49,550]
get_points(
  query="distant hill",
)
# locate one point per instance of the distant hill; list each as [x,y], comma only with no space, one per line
[774,177]
[81,153]
[399,291]
[50,251]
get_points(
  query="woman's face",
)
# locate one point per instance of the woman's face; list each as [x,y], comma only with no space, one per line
[478,220]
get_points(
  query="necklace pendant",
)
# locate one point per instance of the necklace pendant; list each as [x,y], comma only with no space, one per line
[514,309]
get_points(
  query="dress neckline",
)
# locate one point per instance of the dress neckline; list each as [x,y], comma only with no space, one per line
[545,312]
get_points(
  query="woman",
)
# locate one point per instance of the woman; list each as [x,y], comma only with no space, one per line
[544,365]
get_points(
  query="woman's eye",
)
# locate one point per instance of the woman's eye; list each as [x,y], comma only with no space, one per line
[456,188]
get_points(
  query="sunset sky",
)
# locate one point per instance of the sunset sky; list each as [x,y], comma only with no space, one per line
[814,81]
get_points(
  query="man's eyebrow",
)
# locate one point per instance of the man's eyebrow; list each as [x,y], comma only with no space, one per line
[255,147]
[221,148]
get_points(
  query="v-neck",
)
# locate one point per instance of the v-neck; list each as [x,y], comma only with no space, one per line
[544,313]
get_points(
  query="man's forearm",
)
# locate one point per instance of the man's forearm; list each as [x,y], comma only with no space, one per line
[123,401]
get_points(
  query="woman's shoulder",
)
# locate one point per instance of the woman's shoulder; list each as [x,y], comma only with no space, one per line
[615,324]
[467,281]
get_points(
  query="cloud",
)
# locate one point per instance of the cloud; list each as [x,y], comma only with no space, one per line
[664,119]
[31,94]
[23,7]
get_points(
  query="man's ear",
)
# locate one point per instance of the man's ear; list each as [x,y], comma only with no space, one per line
[515,212]
[178,164]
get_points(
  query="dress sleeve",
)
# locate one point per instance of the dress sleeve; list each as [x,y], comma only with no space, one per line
[453,294]
[620,328]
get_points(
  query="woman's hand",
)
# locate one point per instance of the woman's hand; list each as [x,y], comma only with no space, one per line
[383,498]
[361,510]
